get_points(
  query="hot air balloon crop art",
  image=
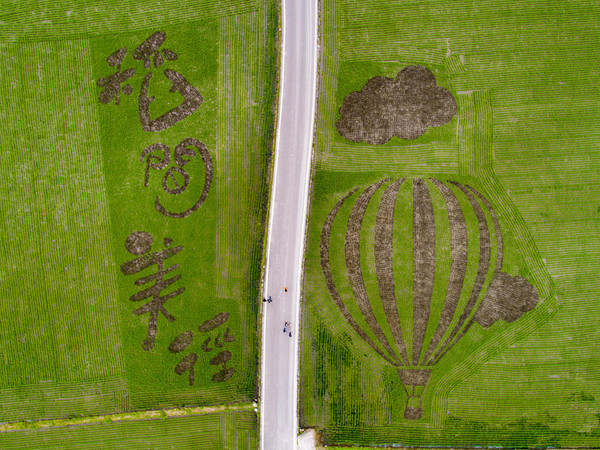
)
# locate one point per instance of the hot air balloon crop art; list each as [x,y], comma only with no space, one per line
[421,274]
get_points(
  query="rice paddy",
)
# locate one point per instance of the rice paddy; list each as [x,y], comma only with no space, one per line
[520,159]
[137,140]
[136,147]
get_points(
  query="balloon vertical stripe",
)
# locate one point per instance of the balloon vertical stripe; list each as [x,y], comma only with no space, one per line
[354,270]
[459,245]
[482,270]
[499,257]
[384,263]
[424,263]
[500,241]
[335,295]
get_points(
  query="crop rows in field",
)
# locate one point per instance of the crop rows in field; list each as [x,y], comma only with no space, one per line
[243,146]
[244,125]
[51,400]
[58,290]
[32,21]
[226,430]
[512,435]
[207,396]
[345,159]
[475,132]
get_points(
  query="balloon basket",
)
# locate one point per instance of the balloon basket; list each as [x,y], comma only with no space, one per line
[414,408]
[414,381]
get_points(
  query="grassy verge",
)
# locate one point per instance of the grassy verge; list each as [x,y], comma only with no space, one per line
[218,430]
[137,415]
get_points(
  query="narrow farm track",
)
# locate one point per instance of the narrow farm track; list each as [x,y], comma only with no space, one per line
[287,223]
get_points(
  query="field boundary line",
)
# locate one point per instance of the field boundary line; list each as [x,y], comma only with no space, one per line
[130,416]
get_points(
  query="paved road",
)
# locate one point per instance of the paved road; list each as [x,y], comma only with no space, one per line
[287,223]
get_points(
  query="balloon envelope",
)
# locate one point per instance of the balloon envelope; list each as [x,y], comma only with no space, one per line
[412,264]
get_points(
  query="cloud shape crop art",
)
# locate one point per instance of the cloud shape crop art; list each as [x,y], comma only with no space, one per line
[405,107]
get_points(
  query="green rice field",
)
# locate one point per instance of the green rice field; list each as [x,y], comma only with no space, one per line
[523,143]
[136,142]
[451,275]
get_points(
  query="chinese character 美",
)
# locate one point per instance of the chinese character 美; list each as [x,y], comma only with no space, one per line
[139,243]
[112,83]
[163,159]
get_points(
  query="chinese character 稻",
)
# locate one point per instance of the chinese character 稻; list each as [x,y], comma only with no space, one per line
[192,100]
[112,83]
[149,48]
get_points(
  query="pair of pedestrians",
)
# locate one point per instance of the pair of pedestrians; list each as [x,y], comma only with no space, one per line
[287,324]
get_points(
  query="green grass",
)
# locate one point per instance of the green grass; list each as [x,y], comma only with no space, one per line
[526,136]
[74,191]
[225,430]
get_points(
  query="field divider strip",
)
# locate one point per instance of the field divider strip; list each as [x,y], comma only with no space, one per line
[121,417]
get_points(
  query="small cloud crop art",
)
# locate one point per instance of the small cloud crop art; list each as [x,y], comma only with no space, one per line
[405,107]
